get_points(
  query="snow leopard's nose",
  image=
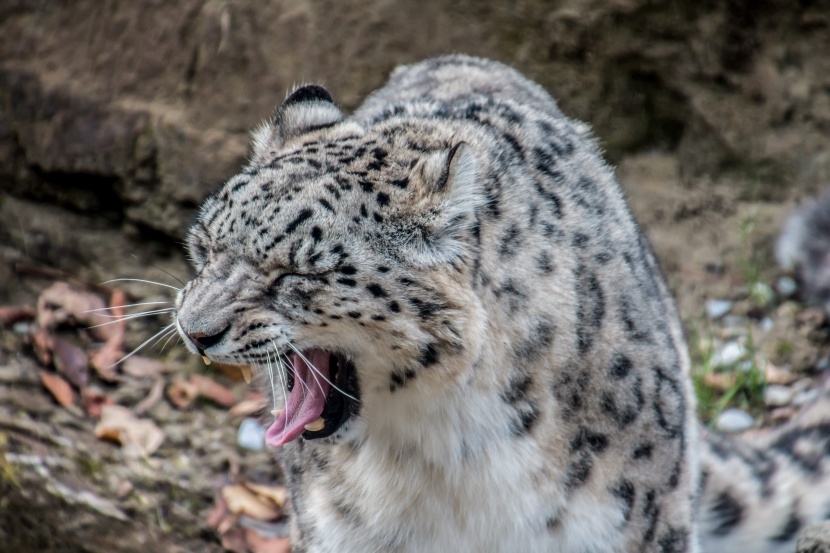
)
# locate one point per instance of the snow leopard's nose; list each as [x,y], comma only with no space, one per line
[203,341]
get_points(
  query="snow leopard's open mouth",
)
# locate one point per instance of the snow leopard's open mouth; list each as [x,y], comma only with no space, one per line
[321,396]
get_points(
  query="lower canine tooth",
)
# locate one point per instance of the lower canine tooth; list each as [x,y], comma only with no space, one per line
[206,360]
[316,426]
[277,412]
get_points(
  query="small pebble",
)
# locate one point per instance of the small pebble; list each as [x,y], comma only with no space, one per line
[787,286]
[251,435]
[23,328]
[766,324]
[715,309]
[778,396]
[761,293]
[729,354]
[734,321]
[805,397]
[734,420]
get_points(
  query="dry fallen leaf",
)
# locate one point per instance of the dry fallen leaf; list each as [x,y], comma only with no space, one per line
[104,359]
[277,494]
[61,303]
[212,390]
[10,314]
[71,361]
[58,387]
[259,544]
[138,437]
[719,381]
[233,540]
[776,375]
[241,500]
[155,395]
[183,393]
[139,366]
[42,343]
[249,406]
[94,401]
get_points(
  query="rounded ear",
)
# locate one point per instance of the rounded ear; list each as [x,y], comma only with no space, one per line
[307,108]
[450,179]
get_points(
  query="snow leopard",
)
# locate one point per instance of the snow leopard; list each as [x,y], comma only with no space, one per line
[804,247]
[469,340]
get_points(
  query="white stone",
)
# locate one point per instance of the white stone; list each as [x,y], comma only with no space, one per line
[729,354]
[805,397]
[715,309]
[734,420]
[778,396]
[787,286]
[251,435]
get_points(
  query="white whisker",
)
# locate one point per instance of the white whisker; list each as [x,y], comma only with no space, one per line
[283,382]
[271,378]
[136,350]
[128,305]
[134,316]
[174,333]
[163,336]
[315,369]
[141,280]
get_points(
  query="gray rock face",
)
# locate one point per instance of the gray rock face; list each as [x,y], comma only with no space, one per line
[129,115]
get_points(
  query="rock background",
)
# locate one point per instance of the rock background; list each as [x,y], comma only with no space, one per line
[118,118]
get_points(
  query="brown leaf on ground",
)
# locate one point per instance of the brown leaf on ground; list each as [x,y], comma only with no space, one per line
[776,375]
[42,343]
[58,387]
[719,381]
[277,494]
[138,437]
[139,366]
[63,304]
[241,500]
[220,509]
[212,390]
[259,544]
[251,405]
[94,401]
[10,314]
[71,361]
[183,393]
[233,540]
[152,399]
[105,359]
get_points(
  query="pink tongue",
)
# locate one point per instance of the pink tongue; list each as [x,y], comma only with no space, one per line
[306,400]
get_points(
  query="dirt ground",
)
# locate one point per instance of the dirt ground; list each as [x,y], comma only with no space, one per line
[116,119]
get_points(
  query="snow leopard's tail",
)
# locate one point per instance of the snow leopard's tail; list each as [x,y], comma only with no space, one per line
[758,491]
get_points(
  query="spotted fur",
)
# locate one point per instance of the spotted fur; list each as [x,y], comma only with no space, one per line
[521,370]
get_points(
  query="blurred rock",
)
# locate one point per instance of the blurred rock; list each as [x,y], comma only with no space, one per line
[734,420]
[777,396]
[715,309]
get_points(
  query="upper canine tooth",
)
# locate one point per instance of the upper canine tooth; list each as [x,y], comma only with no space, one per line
[277,412]
[206,360]
[246,373]
[317,425]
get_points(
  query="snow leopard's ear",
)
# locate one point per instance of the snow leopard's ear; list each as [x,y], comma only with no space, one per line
[308,108]
[452,189]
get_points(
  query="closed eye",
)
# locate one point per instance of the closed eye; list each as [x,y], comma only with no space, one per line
[322,277]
